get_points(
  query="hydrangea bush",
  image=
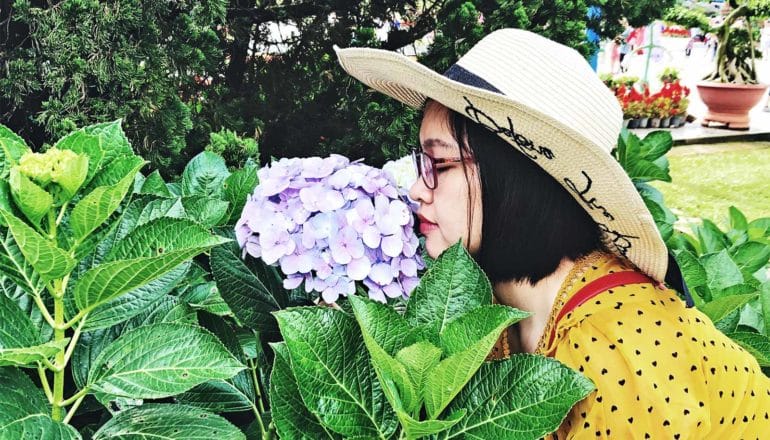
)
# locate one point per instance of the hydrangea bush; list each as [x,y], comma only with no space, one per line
[329,222]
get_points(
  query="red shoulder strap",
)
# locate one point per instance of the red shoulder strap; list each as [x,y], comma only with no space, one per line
[596,287]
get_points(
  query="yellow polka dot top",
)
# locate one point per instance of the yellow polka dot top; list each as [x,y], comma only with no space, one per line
[661,370]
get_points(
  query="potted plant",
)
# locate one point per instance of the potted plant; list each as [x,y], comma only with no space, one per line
[732,89]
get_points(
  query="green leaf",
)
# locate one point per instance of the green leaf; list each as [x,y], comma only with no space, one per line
[756,344]
[204,175]
[291,417]
[206,297]
[453,285]
[416,429]
[217,396]
[729,323]
[468,340]
[719,308]
[656,144]
[248,298]
[88,348]
[21,398]
[144,210]
[738,220]
[12,147]
[5,200]
[73,175]
[162,235]
[29,356]
[32,200]
[711,238]
[237,187]
[721,270]
[38,426]
[692,270]
[384,325]
[419,359]
[15,266]
[110,280]
[375,320]
[499,404]
[95,208]
[336,380]
[83,143]
[114,142]
[169,422]
[208,211]
[759,228]
[132,367]
[478,324]
[750,257]
[49,261]
[16,329]
[111,174]
[154,185]
[133,302]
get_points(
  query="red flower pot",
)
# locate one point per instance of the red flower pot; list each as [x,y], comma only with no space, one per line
[730,103]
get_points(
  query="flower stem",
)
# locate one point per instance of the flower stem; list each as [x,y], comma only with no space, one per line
[74,408]
[58,375]
[258,412]
[44,381]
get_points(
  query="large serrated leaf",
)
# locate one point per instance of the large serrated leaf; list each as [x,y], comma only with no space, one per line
[162,235]
[29,356]
[416,429]
[99,204]
[336,380]
[169,422]
[419,359]
[49,261]
[692,269]
[16,329]
[21,398]
[204,175]
[231,395]
[719,308]
[110,280]
[291,417]
[114,142]
[155,185]
[524,397]
[32,200]
[721,270]
[248,298]
[15,266]
[12,147]
[208,211]
[38,426]
[161,360]
[756,344]
[133,302]
[237,187]
[217,396]
[468,340]
[83,143]
[146,209]
[453,285]
[374,320]
[750,257]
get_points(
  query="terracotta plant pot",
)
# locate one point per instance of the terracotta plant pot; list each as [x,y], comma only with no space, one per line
[730,103]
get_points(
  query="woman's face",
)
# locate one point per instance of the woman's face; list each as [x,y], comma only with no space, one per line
[444,210]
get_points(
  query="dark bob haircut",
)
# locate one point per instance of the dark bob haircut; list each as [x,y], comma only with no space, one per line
[530,222]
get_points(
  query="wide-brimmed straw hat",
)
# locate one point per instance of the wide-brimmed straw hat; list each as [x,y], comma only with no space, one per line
[545,100]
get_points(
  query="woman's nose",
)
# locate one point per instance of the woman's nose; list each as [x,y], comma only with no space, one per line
[419,192]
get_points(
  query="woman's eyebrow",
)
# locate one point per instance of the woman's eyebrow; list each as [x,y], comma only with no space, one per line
[435,142]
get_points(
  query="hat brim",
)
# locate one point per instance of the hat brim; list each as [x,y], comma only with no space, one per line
[586,170]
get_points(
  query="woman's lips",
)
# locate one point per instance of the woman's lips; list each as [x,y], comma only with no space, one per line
[426,226]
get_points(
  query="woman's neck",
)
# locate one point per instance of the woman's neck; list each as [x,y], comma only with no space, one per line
[537,299]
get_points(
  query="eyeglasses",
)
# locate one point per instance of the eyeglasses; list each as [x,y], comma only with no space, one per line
[426,166]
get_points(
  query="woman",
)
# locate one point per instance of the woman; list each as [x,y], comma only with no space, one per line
[515,162]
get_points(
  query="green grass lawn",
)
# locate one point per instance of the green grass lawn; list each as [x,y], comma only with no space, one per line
[707,180]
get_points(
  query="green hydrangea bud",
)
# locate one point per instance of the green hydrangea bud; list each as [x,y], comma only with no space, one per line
[60,172]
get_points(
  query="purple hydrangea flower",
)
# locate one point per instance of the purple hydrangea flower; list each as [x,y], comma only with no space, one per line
[329,223]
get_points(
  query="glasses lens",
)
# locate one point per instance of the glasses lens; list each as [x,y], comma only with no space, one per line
[428,174]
